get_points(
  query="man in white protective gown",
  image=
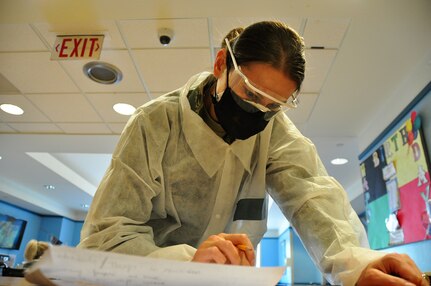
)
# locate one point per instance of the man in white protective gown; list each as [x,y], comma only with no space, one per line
[192,172]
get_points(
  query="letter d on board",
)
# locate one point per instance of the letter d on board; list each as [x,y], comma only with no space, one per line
[416,151]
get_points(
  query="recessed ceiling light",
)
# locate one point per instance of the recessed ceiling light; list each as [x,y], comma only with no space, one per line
[85,206]
[49,187]
[102,72]
[124,108]
[11,109]
[339,161]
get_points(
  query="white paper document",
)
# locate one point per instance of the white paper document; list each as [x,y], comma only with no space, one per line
[64,266]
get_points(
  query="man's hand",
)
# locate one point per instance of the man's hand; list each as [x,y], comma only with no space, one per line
[226,249]
[392,269]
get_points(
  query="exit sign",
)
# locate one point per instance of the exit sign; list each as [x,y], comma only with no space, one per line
[75,47]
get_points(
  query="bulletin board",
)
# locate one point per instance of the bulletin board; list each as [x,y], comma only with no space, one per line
[396,183]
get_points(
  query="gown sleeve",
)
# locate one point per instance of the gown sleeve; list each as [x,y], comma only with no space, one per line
[132,192]
[316,206]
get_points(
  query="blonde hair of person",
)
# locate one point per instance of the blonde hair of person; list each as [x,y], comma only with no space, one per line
[35,249]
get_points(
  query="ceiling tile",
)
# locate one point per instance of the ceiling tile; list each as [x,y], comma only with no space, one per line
[157,94]
[302,127]
[121,59]
[91,167]
[43,76]
[4,128]
[85,128]
[31,113]
[303,111]
[72,107]
[104,103]
[221,26]
[144,33]
[327,33]
[318,65]
[168,69]
[331,147]
[112,39]
[36,127]
[6,87]
[117,128]
[19,37]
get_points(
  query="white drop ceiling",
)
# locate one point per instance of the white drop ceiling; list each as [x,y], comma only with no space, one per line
[364,59]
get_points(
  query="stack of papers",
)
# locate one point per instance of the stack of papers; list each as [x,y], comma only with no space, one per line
[66,266]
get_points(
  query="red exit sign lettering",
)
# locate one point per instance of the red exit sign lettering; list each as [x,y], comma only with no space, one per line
[75,47]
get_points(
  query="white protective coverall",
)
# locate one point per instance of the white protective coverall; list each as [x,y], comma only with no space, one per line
[173,182]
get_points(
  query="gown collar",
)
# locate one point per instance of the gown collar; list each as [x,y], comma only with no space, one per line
[208,148]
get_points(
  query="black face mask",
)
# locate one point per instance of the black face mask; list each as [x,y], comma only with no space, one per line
[239,119]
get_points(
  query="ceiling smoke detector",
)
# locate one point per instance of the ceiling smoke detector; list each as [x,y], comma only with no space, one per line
[102,72]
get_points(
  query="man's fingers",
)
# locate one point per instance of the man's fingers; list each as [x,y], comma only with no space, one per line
[236,249]
[242,239]
[389,280]
[229,251]
[403,266]
[391,269]
[217,246]
[209,255]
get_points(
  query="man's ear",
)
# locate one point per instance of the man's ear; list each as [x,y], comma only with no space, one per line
[220,63]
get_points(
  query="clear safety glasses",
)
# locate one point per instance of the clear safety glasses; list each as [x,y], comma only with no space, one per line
[249,93]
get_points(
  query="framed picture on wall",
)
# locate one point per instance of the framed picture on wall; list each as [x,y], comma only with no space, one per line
[11,232]
[396,183]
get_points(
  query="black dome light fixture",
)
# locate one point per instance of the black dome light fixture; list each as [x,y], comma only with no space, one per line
[165,36]
[102,72]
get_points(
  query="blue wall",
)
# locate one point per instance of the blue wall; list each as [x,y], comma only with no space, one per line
[285,249]
[41,228]
[50,226]
[67,231]
[304,270]
[269,252]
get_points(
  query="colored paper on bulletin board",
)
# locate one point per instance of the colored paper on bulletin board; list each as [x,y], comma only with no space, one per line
[377,233]
[396,182]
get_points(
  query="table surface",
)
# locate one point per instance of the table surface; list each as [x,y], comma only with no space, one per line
[14,281]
